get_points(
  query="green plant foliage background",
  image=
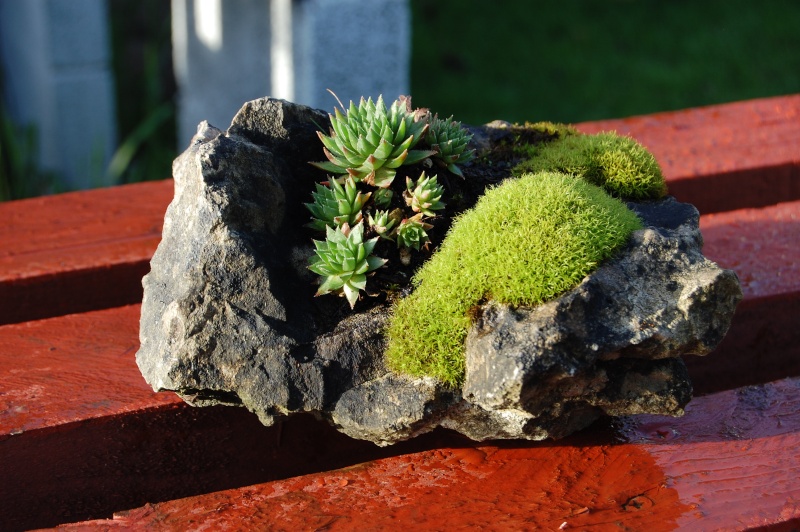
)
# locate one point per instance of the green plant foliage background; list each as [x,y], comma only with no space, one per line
[577,60]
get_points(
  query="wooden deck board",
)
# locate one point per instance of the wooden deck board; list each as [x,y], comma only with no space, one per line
[78,251]
[82,435]
[729,464]
[72,393]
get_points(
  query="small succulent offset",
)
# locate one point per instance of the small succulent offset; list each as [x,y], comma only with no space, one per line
[412,232]
[336,205]
[449,140]
[424,196]
[382,197]
[370,142]
[343,260]
[383,222]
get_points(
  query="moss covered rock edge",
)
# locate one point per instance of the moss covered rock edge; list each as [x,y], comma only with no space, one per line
[619,164]
[525,242]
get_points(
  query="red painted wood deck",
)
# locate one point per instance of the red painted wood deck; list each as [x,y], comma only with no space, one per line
[83,437]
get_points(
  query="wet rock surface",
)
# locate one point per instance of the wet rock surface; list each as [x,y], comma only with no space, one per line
[228,315]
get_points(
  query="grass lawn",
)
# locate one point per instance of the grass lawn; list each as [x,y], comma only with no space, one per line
[576,60]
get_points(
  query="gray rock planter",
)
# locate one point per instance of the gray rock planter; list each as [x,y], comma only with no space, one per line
[228,317]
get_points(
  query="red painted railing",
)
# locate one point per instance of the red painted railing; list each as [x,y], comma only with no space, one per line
[83,437]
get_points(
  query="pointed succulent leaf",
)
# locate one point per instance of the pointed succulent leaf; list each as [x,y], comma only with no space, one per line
[415,156]
[411,233]
[370,136]
[331,284]
[343,262]
[425,195]
[451,142]
[382,177]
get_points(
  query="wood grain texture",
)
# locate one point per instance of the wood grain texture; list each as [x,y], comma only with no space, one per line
[762,245]
[723,157]
[72,368]
[78,251]
[729,464]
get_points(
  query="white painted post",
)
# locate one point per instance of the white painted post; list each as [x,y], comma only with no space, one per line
[228,52]
[353,47]
[221,59]
[57,77]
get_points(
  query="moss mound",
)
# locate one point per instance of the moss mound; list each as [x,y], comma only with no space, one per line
[622,166]
[525,242]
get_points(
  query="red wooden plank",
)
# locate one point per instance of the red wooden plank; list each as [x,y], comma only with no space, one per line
[78,251]
[723,157]
[761,245]
[729,464]
[79,367]
[81,434]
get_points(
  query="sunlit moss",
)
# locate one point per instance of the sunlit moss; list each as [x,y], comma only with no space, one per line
[622,166]
[525,242]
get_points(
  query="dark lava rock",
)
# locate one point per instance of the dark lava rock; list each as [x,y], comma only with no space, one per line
[228,315]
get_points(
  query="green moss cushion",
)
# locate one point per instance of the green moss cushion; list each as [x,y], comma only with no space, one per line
[525,242]
[620,165]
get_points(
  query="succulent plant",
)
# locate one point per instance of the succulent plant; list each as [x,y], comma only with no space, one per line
[412,232]
[336,205]
[343,260]
[370,142]
[383,223]
[424,196]
[449,140]
[382,197]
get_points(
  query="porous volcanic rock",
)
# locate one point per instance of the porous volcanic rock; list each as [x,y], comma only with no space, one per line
[228,315]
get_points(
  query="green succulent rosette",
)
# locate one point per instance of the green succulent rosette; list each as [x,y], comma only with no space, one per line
[343,260]
[370,142]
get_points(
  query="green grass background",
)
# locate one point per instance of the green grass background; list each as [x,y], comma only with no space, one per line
[576,60]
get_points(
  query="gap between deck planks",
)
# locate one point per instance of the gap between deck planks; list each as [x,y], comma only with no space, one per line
[78,251]
[88,250]
[111,443]
[726,465]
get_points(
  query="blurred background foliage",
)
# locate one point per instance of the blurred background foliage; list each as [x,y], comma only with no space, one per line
[576,60]
[145,90]
[516,60]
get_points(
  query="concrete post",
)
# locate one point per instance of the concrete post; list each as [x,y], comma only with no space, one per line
[229,52]
[56,66]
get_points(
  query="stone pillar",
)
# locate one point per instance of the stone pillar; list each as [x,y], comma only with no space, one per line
[221,59]
[229,52]
[57,77]
[353,47]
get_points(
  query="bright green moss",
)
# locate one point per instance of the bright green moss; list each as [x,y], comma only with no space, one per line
[525,242]
[620,165]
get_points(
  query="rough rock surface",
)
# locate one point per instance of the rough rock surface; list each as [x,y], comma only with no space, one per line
[228,317]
